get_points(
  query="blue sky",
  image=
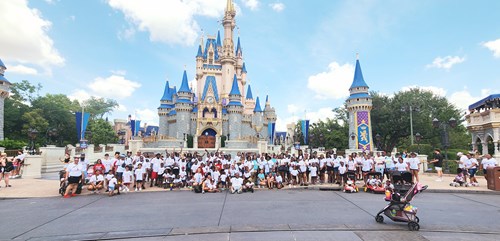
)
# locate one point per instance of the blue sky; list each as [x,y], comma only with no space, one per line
[301,53]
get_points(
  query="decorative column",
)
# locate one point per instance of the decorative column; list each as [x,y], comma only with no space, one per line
[485,148]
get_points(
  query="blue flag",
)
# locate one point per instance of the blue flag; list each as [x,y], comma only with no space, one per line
[305,130]
[132,127]
[81,127]
[137,127]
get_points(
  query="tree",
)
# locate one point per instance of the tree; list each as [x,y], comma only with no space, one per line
[34,120]
[102,132]
[16,105]
[98,107]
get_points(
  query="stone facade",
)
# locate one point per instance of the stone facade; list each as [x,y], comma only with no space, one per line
[4,93]
[483,122]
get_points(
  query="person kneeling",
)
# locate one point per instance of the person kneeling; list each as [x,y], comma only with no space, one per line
[236,184]
[96,182]
[208,185]
[247,185]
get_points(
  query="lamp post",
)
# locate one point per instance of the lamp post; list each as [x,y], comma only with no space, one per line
[32,132]
[445,138]
[88,135]
[122,133]
[378,137]
[411,109]
[418,138]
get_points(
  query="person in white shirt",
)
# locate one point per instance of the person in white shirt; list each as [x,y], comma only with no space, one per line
[313,171]
[127,179]
[471,166]
[367,166]
[209,185]
[461,164]
[414,166]
[111,185]
[96,182]
[74,175]
[488,162]
[236,184]
[380,164]
[401,166]
[155,167]
[342,172]
[139,176]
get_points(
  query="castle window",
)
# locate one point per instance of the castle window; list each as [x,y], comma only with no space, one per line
[211,57]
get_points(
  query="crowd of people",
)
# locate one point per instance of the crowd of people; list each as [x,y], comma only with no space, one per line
[11,167]
[216,171]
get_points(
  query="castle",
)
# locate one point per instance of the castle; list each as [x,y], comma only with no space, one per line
[219,109]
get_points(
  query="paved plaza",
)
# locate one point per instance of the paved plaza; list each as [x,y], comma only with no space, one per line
[264,215]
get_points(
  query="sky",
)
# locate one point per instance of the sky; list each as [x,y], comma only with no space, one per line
[300,53]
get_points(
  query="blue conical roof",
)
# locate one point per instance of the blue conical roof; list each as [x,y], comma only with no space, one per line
[257,106]
[244,68]
[267,98]
[218,38]
[2,64]
[166,93]
[238,46]
[184,84]
[249,93]
[199,54]
[358,77]
[235,90]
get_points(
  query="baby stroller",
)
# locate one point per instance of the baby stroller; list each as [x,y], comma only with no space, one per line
[63,184]
[400,210]
[375,186]
[402,181]
[350,184]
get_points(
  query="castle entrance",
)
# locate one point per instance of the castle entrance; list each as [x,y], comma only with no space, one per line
[207,139]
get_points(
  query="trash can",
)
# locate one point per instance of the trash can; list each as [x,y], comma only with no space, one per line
[493,178]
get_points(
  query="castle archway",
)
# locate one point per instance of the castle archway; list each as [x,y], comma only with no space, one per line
[207,138]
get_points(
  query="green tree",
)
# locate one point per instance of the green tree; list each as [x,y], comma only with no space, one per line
[16,105]
[98,107]
[102,132]
[34,120]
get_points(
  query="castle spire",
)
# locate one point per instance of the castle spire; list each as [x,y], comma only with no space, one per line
[166,93]
[184,84]
[238,47]
[235,90]
[257,106]
[358,80]
[219,44]
[249,93]
[229,6]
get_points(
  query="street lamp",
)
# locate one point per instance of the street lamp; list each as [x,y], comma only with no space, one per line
[32,132]
[122,133]
[88,135]
[411,110]
[378,138]
[445,138]
[418,138]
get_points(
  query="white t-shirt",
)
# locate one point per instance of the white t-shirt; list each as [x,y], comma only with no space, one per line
[414,163]
[313,171]
[367,165]
[389,162]
[156,163]
[294,172]
[119,164]
[96,178]
[279,179]
[302,166]
[112,182]
[75,170]
[401,167]
[107,164]
[489,163]
[342,169]
[351,165]
[138,174]
[236,182]
[463,160]
[127,177]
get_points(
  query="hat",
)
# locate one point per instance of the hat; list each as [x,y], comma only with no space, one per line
[75,156]
[122,155]
[459,153]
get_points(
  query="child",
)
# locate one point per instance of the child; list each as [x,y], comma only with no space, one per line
[96,182]
[270,180]
[111,185]
[261,179]
[139,177]
[342,172]
[389,189]
[350,186]
[223,180]
[295,173]
[127,179]
[177,182]
[248,185]
[459,179]
[168,179]
[313,169]
[279,181]
[183,176]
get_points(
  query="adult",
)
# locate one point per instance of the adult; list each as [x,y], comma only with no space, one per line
[471,165]
[18,163]
[380,164]
[461,164]
[96,181]
[99,166]
[414,164]
[236,184]
[438,164]
[74,175]
[6,167]
[488,162]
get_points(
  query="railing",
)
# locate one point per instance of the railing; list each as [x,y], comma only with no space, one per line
[109,148]
[97,149]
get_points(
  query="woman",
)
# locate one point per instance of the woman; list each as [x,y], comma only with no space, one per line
[98,166]
[74,174]
[6,167]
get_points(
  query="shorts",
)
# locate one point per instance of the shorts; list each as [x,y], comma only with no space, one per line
[472,172]
[485,172]
[438,168]
[335,170]
[111,188]
[74,180]
[154,175]
[138,181]
[119,175]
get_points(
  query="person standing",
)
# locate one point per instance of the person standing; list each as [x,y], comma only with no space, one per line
[486,163]
[5,168]
[74,175]
[438,164]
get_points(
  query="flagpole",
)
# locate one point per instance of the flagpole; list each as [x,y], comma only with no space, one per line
[81,129]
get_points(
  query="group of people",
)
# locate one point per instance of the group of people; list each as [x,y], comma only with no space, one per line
[469,165]
[11,167]
[215,171]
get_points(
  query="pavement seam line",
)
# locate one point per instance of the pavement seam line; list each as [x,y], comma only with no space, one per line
[222,211]
[354,204]
[58,217]
[472,200]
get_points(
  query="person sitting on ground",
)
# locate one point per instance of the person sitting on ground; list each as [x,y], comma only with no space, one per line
[168,179]
[247,185]
[96,182]
[236,184]
[279,181]
[261,179]
[208,184]
[459,179]
[270,180]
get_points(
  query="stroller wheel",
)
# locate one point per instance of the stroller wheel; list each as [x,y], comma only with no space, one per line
[379,219]
[413,226]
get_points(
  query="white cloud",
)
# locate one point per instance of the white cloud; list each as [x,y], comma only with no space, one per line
[252,4]
[114,86]
[22,69]
[292,108]
[119,72]
[494,46]
[462,99]
[277,7]
[168,21]
[333,84]
[25,36]
[147,116]
[436,90]
[446,62]
[121,108]
[315,116]
[79,95]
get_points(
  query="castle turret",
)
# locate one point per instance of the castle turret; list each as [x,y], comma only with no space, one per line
[359,105]
[183,107]
[199,62]
[227,59]
[166,105]
[235,110]
[4,93]
[243,74]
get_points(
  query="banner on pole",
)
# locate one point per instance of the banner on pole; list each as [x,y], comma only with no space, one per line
[305,131]
[82,120]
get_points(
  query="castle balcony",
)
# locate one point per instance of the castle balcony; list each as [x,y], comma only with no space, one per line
[488,118]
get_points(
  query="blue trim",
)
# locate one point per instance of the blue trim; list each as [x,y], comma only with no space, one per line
[183,101]
[358,80]
[359,95]
[249,93]
[210,80]
[2,64]
[244,68]
[172,112]
[235,90]
[195,109]
[166,106]
[484,101]
[184,85]
[212,66]
[257,106]
[199,54]
[234,103]
[207,45]
[2,78]
[224,111]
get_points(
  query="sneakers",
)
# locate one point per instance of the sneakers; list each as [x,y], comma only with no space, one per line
[140,189]
[67,196]
[73,195]
[136,189]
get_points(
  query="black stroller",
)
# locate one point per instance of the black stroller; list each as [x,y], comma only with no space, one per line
[400,210]
[63,184]
[402,181]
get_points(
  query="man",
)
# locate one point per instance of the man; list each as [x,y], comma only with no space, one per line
[156,164]
[236,184]
[74,175]
[438,164]
[488,162]
[85,164]
[461,164]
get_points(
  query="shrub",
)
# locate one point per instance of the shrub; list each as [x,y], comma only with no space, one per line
[12,144]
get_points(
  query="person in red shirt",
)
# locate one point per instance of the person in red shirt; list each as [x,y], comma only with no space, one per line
[98,166]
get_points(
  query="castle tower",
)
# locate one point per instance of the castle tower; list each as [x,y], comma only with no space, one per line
[235,111]
[249,101]
[183,108]
[258,120]
[228,59]
[270,119]
[359,105]
[166,106]
[4,93]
